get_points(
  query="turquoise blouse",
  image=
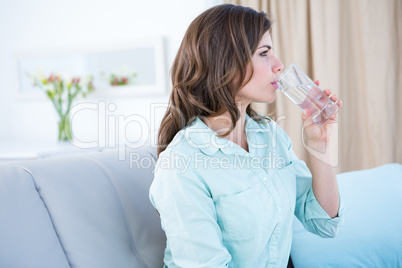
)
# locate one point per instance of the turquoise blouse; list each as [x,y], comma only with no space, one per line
[221,206]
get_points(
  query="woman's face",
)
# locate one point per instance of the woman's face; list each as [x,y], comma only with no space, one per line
[262,86]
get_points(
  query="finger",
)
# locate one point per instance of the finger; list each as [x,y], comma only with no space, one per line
[306,118]
[327,91]
[317,82]
[334,98]
[339,103]
[306,114]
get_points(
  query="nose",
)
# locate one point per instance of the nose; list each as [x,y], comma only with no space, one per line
[278,66]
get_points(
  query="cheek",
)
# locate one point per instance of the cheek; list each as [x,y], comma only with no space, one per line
[261,75]
[262,71]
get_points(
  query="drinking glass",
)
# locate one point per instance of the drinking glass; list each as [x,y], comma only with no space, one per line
[298,87]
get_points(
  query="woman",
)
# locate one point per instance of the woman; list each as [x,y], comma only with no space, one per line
[227,182]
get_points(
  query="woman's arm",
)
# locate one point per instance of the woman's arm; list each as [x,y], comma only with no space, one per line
[318,139]
[325,186]
[308,210]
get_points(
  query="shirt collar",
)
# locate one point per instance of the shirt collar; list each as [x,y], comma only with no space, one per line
[198,134]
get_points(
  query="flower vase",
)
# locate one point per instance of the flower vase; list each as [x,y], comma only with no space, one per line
[65,133]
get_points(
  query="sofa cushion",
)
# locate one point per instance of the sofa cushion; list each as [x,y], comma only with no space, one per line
[371,235]
[93,208]
[27,236]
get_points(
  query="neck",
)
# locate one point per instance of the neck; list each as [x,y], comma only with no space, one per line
[221,124]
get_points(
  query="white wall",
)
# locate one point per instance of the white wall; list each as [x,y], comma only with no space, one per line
[47,24]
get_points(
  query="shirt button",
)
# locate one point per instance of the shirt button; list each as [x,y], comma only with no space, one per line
[265,178]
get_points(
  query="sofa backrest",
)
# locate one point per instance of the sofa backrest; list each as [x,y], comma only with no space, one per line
[87,210]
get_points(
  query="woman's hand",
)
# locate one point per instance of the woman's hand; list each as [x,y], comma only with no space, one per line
[313,133]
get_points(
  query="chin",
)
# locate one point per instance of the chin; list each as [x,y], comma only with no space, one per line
[269,99]
[266,100]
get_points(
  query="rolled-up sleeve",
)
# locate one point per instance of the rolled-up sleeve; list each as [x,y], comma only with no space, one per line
[189,219]
[310,213]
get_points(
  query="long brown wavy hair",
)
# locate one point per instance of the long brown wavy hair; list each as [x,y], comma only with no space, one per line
[210,68]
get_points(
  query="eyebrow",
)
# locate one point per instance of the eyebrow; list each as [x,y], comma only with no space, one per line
[269,47]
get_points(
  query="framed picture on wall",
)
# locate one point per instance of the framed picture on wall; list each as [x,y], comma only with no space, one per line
[124,69]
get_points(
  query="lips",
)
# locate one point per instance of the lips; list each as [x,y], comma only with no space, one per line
[275,84]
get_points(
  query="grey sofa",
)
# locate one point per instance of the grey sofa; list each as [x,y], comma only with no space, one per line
[92,210]
[83,210]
